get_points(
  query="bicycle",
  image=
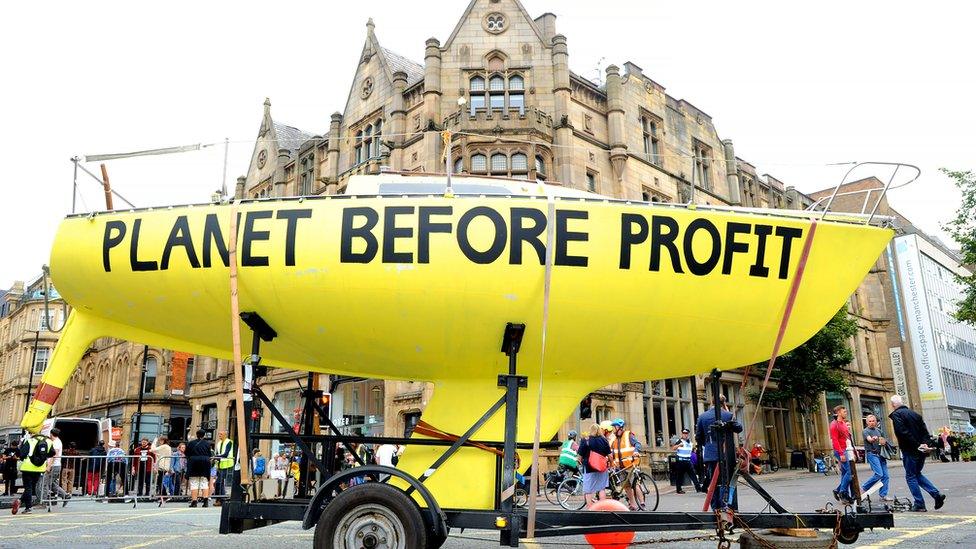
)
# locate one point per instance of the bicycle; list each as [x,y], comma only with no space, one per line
[569,494]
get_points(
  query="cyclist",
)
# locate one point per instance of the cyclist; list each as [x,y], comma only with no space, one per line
[755,456]
[625,452]
[568,456]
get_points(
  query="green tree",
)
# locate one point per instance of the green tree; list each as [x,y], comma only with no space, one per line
[804,373]
[963,230]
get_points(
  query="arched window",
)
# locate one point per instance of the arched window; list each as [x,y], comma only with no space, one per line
[502,93]
[520,165]
[367,142]
[479,163]
[499,164]
[459,165]
[540,166]
[149,387]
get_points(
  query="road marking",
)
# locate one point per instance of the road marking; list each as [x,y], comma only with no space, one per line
[163,538]
[917,533]
[101,523]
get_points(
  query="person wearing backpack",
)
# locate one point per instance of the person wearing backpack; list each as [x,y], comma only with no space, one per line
[259,465]
[34,451]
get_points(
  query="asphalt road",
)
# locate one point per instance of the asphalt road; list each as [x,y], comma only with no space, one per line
[96,525]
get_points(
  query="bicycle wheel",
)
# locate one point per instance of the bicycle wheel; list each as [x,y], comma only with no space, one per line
[521,497]
[773,465]
[645,489]
[569,495]
[551,488]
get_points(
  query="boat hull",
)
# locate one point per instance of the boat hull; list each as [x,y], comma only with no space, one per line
[421,288]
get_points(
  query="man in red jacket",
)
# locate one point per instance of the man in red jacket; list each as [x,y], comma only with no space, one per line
[839,435]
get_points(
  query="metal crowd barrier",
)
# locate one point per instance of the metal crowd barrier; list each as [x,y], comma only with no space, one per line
[136,478]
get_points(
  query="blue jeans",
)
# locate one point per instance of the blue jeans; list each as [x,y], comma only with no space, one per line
[845,476]
[880,467]
[915,479]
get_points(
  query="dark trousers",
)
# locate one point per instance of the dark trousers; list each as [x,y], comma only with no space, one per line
[143,480]
[683,467]
[721,495]
[10,483]
[30,487]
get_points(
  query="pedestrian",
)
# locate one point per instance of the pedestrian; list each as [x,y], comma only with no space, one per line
[9,468]
[387,455]
[69,464]
[52,482]
[714,448]
[876,454]
[35,451]
[682,462]
[277,465]
[115,465]
[164,465]
[839,435]
[143,461]
[179,468]
[913,438]
[945,449]
[225,465]
[954,447]
[198,458]
[96,462]
[259,465]
[595,453]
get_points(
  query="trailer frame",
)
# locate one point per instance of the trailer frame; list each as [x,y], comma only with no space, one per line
[238,514]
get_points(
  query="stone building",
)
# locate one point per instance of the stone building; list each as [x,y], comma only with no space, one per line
[106,382]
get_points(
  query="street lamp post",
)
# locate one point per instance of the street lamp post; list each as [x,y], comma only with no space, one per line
[142,390]
[30,379]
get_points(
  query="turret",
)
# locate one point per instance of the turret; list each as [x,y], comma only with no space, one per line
[731,172]
[432,80]
[615,122]
[562,153]
[333,153]
[239,188]
[398,115]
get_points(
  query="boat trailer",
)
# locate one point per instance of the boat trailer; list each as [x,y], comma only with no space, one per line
[396,519]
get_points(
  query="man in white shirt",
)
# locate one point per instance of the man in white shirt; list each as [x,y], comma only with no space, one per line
[385,454]
[54,470]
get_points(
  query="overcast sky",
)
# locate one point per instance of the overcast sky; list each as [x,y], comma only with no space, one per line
[796,86]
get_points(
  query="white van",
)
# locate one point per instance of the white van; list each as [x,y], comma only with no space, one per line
[85,432]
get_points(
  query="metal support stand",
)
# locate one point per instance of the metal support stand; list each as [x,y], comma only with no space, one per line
[511,342]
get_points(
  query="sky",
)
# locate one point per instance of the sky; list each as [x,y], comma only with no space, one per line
[795,86]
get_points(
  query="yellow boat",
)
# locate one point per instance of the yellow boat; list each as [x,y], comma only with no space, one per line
[400,280]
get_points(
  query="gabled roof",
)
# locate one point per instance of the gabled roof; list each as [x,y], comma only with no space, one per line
[467,12]
[397,62]
[290,137]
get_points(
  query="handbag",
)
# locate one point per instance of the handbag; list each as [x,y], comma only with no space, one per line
[596,462]
[886,451]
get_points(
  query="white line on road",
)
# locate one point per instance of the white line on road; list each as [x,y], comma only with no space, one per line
[917,533]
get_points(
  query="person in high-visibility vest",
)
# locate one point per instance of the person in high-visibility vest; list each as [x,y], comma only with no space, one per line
[34,453]
[225,463]
[625,453]
[568,456]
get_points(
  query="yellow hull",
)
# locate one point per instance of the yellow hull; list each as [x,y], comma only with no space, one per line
[421,289]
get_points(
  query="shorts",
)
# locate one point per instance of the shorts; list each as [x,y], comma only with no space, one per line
[199,483]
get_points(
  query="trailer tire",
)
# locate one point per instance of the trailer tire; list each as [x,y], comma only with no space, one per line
[371,515]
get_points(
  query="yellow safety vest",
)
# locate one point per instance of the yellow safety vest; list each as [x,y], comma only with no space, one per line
[227,462]
[623,451]
[28,465]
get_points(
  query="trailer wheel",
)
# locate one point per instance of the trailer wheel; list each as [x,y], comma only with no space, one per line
[847,537]
[371,516]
